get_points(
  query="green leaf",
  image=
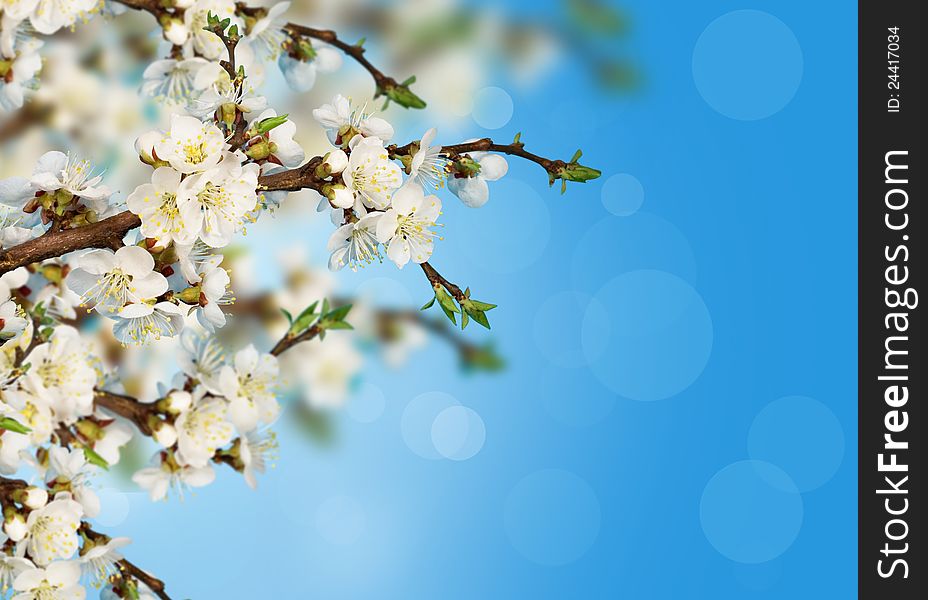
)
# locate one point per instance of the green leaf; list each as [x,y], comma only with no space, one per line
[482,358]
[95,459]
[270,123]
[428,304]
[448,313]
[402,95]
[464,320]
[288,315]
[13,425]
[480,317]
[338,314]
[338,325]
[305,318]
[445,300]
[482,306]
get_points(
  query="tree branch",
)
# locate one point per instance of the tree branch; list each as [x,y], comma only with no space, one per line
[129,408]
[109,232]
[126,567]
[103,234]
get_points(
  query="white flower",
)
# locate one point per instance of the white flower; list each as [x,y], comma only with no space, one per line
[168,474]
[201,430]
[282,146]
[172,80]
[267,34]
[51,15]
[215,88]
[370,174]
[13,280]
[143,322]
[301,74]
[325,370]
[59,581]
[191,146]
[192,259]
[17,10]
[215,202]
[62,375]
[69,467]
[11,219]
[108,281]
[100,561]
[156,205]
[474,191]
[355,244]
[405,229]
[59,171]
[254,450]
[12,320]
[10,568]
[338,119]
[59,300]
[214,292]
[250,387]
[206,43]
[115,436]
[52,530]
[201,358]
[18,71]
[31,411]
[427,167]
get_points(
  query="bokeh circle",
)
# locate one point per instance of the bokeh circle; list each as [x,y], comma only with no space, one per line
[622,194]
[114,507]
[367,403]
[751,511]
[418,418]
[802,436]
[660,335]
[493,107]
[552,517]
[458,433]
[747,65]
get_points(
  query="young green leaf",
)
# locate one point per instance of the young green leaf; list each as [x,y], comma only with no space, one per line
[94,458]
[13,425]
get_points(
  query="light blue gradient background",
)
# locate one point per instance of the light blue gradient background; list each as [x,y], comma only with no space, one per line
[759,217]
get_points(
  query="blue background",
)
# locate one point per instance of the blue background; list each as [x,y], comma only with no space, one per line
[734,283]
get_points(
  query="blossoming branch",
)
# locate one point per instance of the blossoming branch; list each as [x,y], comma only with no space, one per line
[153,266]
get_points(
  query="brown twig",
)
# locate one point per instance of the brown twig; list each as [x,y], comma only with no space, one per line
[436,279]
[289,341]
[140,413]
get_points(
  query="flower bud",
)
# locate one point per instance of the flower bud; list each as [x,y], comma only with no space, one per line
[145,147]
[339,195]
[179,401]
[259,151]
[175,31]
[577,172]
[35,498]
[166,435]
[15,527]
[336,161]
